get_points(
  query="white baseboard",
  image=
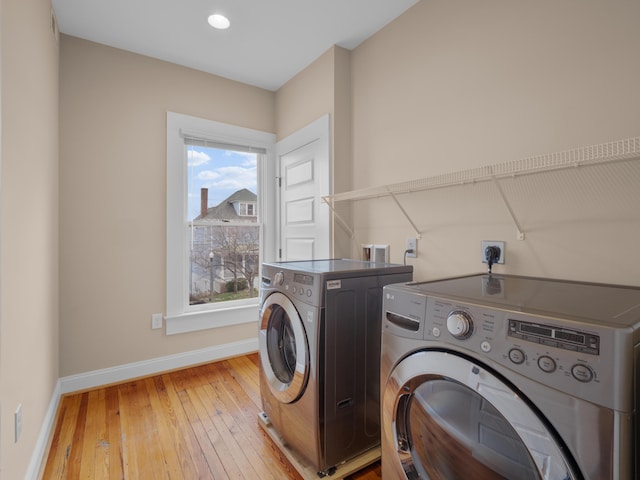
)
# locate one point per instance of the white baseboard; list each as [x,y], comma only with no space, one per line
[123,373]
[40,449]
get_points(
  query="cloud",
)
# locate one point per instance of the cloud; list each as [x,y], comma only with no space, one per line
[208,175]
[222,180]
[251,162]
[249,156]
[196,158]
[231,177]
[237,170]
[233,184]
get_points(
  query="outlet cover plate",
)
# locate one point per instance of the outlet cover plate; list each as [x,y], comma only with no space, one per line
[412,244]
[156,320]
[491,243]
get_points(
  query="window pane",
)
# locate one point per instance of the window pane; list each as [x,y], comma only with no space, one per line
[222,224]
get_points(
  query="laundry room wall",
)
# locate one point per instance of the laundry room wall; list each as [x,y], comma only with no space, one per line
[323,87]
[113,108]
[28,227]
[450,86]
[444,87]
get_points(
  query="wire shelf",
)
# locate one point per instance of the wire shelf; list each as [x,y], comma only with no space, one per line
[621,150]
[591,155]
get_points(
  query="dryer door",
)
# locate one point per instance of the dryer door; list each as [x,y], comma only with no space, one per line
[284,354]
[446,416]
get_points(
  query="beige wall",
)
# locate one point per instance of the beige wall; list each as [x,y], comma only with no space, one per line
[341,144]
[112,167]
[28,226]
[434,91]
[306,97]
[113,108]
[323,87]
[445,87]
[454,85]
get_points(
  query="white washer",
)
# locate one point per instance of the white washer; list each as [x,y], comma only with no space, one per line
[320,329]
[505,377]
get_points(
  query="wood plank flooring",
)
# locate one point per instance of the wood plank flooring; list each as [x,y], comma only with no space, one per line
[196,423]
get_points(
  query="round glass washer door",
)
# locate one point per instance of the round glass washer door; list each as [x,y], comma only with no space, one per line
[284,354]
[447,417]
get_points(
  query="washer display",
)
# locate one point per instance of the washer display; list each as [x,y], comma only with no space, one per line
[503,377]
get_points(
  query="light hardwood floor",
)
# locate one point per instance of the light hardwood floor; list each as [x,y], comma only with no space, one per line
[196,423]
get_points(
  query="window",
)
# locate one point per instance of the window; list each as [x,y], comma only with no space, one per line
[224,239]
[217,202]
[247,209]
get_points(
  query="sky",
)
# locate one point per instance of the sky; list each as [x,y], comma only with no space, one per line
[223,172]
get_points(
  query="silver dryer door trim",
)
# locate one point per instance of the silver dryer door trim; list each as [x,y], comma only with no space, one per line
[290,391]
[422,366]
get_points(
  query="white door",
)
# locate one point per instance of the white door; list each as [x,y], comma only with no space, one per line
[304,169]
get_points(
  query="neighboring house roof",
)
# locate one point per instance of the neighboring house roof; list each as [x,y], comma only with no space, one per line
[227,210]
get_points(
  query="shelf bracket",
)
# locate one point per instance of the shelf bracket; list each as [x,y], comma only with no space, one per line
[342,223]
[520,232]
[418,234]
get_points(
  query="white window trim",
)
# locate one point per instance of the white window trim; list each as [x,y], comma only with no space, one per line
[179,317]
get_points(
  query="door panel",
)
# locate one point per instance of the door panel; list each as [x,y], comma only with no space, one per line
[304,169]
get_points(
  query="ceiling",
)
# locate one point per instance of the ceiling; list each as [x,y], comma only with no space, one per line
[268,43]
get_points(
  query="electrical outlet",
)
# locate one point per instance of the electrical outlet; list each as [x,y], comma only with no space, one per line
[412,244]
[380,254]
[156,320]
[18,423]
[489,243]
[264,418]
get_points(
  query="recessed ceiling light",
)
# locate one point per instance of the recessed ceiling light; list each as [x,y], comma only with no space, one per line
[218,21]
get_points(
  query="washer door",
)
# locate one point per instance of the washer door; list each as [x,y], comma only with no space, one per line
[283,348]
[445,416]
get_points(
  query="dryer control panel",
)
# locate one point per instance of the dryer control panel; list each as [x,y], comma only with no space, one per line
[573,357]
[553,351]
[554,336]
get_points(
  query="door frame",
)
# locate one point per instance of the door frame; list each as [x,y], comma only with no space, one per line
[320,130]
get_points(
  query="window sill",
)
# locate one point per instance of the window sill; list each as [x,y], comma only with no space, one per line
[223,317]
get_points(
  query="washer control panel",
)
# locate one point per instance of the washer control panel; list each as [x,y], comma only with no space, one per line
[300,286]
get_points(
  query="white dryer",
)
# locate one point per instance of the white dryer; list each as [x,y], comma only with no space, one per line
[508,377]
[320,331]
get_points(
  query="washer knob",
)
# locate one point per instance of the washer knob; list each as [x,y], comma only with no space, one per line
[278,278]
[460,324]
